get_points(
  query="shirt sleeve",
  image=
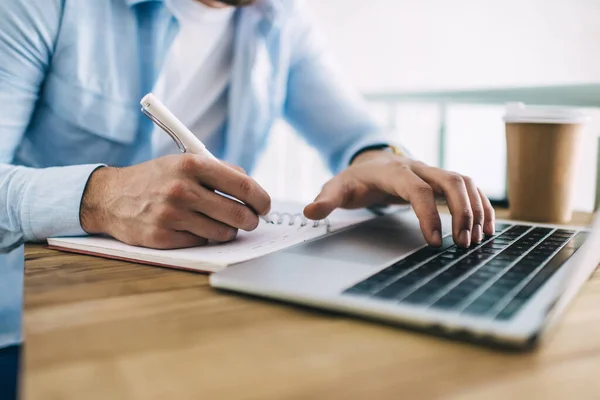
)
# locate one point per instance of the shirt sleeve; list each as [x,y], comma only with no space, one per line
[321,105]
[37,203]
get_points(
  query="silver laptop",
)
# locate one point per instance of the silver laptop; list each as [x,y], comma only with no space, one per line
[506,291]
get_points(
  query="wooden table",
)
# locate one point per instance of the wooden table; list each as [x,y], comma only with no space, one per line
[100,329]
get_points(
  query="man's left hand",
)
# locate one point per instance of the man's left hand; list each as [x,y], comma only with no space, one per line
[378,177]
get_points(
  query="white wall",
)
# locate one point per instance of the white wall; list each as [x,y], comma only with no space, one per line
[420,44]
[387,45]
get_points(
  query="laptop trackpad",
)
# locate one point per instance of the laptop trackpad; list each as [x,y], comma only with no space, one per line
[373,242]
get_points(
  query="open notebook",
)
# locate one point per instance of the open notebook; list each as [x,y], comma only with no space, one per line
[291,228]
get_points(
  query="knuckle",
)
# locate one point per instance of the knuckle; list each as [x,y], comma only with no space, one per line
[242,217]
[345,188]
[455,179]
[402,168]
[419,164]
[224,233]
[423,191]
[466,214]
[176,190]
[468,180]
[432,216]
[478,212]
[165,214]
[187,163]
[489,210]
[246,187]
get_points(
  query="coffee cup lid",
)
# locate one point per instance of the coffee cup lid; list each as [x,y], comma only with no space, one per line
[519,112]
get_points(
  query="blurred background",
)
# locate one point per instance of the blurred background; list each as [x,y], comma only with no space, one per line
[394,50]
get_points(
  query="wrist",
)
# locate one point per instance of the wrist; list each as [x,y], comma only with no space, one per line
[371,152]
[92,212]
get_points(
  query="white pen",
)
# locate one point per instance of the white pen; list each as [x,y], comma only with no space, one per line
[187,142]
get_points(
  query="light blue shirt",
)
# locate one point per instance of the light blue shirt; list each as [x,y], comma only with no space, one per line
[72,74]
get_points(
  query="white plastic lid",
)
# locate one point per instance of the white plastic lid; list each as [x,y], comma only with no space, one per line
[519,112]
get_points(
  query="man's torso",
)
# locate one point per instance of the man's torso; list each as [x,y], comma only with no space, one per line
[107,55]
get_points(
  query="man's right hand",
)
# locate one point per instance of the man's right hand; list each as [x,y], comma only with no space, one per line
[171,202]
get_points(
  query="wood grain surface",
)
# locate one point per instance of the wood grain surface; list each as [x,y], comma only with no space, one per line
[103,329]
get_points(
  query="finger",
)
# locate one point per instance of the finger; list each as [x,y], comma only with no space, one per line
[455,190]
[229,181]
[478,210]
[332,196]
[164,239]
[422,198]
[222,209]
[236,167]
[205,227]
[407,185]
[489,224]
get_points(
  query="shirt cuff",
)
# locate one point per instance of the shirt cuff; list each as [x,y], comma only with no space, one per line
[52,200]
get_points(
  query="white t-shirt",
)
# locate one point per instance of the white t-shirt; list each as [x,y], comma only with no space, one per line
[195,76]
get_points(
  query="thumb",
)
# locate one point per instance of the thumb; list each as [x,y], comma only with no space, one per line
[332,196]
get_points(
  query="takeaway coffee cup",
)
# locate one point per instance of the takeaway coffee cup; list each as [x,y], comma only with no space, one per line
[543,144]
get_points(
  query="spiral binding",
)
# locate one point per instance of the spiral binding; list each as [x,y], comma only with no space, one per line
[280,218]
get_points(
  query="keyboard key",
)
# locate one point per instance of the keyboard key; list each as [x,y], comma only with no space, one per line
[529,263]
[480,307]
[450,256]
[449,300]
[419,257]
[393,291]
[444,261]
[536,256]
[515,274]
[522,268]
[499,261]
[446,303]
[510,309]
[541,231]
[468,285]
[416,298]
[413,277]
[541,277]
[544,274]
[496,292]
[564,232]
[489,251]
[504,257]
[501,226]
[419,278]
[479,256]
[364,288]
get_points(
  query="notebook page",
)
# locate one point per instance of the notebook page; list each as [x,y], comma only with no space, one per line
[266,239]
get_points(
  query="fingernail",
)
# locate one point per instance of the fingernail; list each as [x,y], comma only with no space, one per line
[477,233]
[437,238]
[465,238]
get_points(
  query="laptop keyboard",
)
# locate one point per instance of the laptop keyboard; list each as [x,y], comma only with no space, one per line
[494,278]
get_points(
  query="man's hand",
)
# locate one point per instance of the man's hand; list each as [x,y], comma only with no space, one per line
[378,177]
[170,202]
